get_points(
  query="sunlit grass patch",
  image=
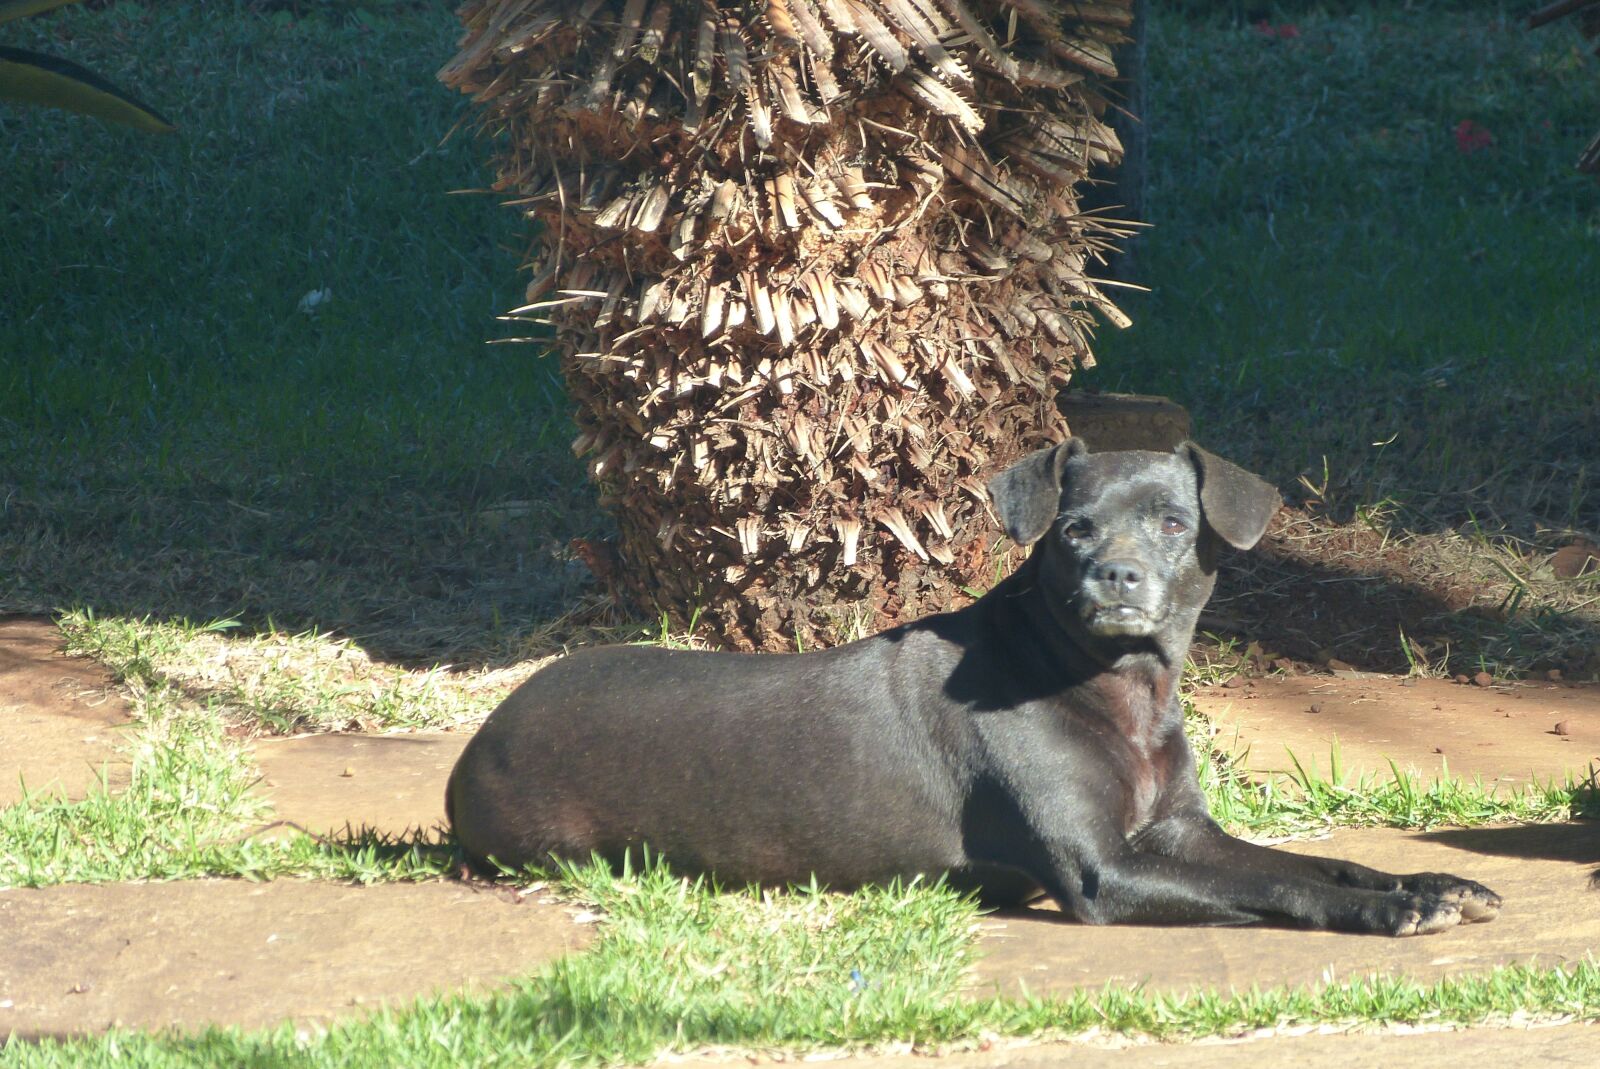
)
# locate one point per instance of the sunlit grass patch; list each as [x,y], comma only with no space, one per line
[280,683]
[188,811]
[1320,796]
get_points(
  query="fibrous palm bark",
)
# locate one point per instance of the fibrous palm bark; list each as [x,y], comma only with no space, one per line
[815,270]
[1588,17]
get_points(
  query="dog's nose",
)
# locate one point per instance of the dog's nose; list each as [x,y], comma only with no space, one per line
[1121,575]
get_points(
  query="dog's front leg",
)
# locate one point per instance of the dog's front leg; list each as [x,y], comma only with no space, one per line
[1193,836]
[1074,809]
[1126,886]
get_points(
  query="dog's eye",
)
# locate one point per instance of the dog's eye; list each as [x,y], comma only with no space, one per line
[1171,525]
[1077,530]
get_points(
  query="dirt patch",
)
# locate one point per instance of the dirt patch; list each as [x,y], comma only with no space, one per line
[389,783]
[1507,732]
[1542,871]
[79,959]
[59,716]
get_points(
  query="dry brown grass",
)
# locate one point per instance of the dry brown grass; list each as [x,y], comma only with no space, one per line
[277,683]
[1373,593]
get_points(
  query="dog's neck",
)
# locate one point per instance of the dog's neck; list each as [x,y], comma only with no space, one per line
[1140,697]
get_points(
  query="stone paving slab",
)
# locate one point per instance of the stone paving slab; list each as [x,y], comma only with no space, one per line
[59,715]
[82,958]
[1539,1047]
[389,783]
[1544,873]
[1506,733]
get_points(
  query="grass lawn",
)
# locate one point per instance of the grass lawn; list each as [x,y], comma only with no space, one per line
[1342,270]
[179,438]
[1348,285]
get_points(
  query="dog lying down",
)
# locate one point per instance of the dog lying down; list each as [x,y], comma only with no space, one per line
[1032,741]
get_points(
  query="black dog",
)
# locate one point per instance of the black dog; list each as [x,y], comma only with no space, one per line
[1032,740]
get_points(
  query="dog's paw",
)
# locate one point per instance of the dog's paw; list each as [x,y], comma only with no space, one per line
[1476,901]
[1409,914]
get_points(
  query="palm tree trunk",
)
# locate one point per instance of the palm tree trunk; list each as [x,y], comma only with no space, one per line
[1588,19]
[815,270]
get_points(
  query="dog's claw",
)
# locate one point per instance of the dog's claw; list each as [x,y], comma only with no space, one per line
[1425,916]
[1484,906]
[1475,901]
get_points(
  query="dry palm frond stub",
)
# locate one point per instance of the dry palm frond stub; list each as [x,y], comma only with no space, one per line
[1588,12]
[815,270]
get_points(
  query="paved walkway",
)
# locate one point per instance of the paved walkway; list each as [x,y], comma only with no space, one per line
[82,958]
[1506,733]
[59,716]
[1540,1047]
[389,783]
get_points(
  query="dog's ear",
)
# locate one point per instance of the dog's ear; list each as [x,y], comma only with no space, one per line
[1237,505]
[1028,494]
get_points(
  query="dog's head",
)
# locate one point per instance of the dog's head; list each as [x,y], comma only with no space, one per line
[1129,540]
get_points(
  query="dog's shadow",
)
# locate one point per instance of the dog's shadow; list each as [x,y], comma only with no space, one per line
[1577,842]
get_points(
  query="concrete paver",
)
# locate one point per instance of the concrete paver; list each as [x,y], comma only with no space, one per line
[1539,1047]
[388,783]
[83,958]
[1509,733]
[59,716]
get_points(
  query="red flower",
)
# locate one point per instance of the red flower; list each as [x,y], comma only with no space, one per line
[1470,137]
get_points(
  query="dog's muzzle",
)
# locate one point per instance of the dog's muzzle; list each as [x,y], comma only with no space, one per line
[1118,599]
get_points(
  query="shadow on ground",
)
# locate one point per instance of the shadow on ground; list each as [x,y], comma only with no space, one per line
[478,569]
[418,575]
[1317,590]
[420,578]
[1578,842]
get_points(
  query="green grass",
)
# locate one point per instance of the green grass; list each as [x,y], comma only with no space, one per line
[186,789]
[1319,796]
[188,812]
[1330,272]
[179,441]
[177,438]
[1341,294]
[281,684]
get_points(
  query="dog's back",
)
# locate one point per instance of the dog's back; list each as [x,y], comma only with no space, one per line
[758,768]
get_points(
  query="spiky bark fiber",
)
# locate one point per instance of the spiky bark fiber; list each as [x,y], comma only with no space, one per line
[1588,18]
[815,270]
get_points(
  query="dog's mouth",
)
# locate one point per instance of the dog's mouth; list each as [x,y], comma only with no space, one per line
[1120,619]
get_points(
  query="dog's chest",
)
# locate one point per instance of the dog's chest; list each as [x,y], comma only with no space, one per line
[1134,726]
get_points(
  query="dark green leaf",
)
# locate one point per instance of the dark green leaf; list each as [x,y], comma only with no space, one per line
[58,83]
